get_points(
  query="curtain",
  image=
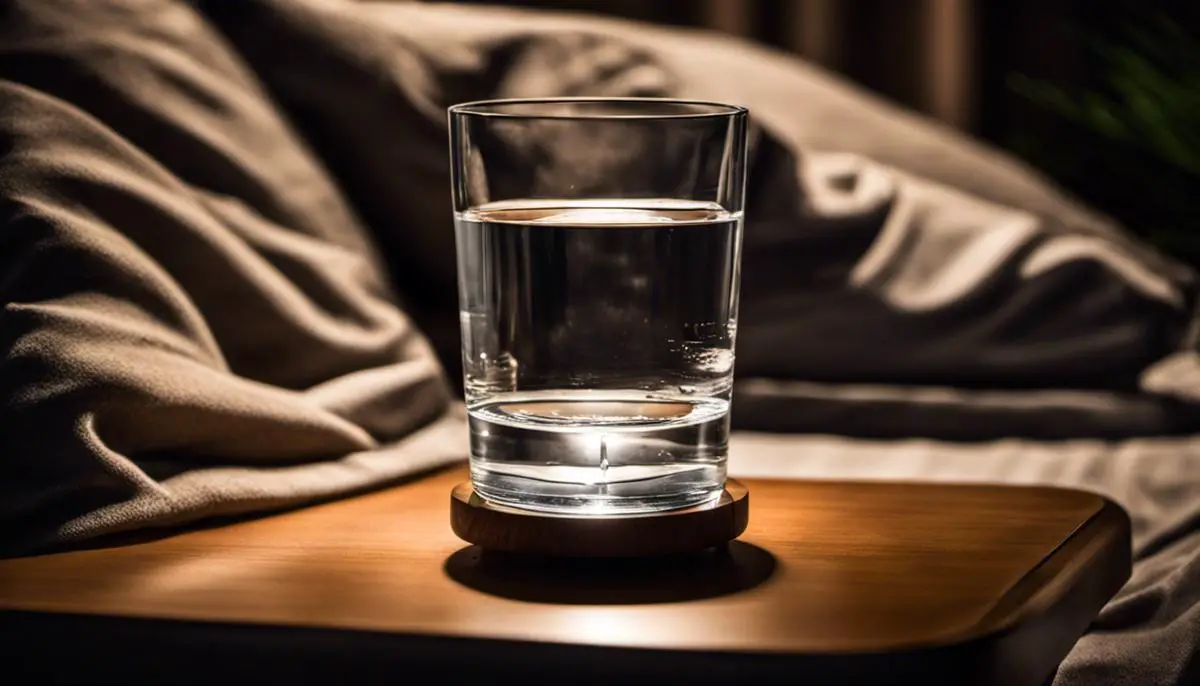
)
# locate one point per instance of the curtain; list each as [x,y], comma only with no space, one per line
[921,52]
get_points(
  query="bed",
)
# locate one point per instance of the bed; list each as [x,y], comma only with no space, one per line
[228,281]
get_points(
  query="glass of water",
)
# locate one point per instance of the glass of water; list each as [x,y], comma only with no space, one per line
[599,249]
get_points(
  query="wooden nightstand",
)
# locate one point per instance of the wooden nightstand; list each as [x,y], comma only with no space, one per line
[840,583]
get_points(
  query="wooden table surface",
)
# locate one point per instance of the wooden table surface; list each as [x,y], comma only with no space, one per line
[832,582]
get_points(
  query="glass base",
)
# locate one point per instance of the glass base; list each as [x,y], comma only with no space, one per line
[637,491]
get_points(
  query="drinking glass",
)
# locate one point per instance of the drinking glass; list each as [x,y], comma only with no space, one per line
[599,250]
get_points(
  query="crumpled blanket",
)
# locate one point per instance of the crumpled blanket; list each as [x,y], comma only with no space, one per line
[227,272]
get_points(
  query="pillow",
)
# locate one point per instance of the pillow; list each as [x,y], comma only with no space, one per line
[879,248]
[195,321]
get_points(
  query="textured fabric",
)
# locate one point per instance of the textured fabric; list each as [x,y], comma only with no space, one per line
[908,254]
[226,242]
[194,320]
[894,277]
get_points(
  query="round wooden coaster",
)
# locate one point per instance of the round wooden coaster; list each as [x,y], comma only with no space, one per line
[507,529]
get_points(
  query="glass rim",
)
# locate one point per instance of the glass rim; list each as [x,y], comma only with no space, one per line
[494,108]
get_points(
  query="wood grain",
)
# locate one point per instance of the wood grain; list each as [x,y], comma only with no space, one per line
[685,530]
[855,582]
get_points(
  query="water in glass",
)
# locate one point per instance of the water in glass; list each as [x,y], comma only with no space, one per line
[598,341]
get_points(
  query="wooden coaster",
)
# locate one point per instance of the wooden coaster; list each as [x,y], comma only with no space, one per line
[499,528]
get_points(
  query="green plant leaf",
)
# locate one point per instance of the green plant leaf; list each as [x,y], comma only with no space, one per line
[1132,143]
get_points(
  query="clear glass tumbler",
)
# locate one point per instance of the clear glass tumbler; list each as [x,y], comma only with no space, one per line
[599,250]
